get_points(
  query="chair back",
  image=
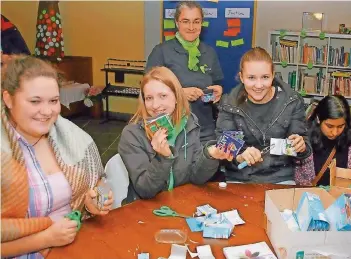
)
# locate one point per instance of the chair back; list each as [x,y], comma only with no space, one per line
[117,176]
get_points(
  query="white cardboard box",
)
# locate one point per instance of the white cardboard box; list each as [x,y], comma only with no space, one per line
[288,244]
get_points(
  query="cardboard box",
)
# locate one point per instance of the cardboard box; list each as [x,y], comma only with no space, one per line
[303,244]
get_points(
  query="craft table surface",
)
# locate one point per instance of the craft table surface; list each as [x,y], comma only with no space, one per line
[127,231]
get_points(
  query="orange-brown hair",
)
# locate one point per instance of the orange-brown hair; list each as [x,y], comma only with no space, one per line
[167,77]
[254,54]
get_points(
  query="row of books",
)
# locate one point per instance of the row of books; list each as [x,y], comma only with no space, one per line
[321,83]
[316,55]
[338,57]
[338,85]
[287,50]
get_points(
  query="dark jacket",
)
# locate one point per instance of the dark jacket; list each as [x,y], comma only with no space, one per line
[12,41]
[288,118]
[172,55]
[149,172]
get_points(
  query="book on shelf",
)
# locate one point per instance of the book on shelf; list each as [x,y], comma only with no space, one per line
[337,83]
[314,54]
[284,50]
[292,79]
[339,57]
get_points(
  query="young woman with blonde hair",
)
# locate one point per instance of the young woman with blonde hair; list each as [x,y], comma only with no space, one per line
[164,160]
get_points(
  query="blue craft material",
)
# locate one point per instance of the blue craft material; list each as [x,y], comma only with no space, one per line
[143,256]
[218,230]
[339,214]
[195,224]
[217,226]
[310,213]
[206,210]
[230,141]
[208,96]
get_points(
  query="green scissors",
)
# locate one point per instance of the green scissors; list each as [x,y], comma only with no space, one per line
[166,211]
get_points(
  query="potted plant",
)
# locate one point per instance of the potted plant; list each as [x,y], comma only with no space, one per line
[93,100]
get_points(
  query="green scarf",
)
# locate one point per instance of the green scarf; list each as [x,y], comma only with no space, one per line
[192,48]
[171,141]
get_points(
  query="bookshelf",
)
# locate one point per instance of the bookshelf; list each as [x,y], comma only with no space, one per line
[313,65]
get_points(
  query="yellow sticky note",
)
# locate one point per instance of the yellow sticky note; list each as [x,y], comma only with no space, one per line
[169,37]
[214,1]
[205,23]
[168,24]
[237,42]
[220,43]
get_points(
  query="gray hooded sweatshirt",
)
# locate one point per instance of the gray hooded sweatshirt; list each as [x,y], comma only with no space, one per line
[149,172]
[286,117]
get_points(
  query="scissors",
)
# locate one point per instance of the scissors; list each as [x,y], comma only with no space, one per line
[166,211]
[263,152]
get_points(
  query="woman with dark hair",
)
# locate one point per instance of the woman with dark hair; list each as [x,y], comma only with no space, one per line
[330,135]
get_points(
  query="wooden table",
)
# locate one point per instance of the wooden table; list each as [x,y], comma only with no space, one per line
[130,230]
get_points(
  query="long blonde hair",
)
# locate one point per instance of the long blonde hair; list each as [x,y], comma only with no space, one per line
[167,77]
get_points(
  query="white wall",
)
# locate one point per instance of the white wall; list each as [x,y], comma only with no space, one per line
[275,15]
[152,25]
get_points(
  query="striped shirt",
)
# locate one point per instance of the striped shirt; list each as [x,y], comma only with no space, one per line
[41,195]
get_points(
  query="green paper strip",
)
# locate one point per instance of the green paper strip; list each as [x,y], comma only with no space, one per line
[322,35]
[310,65]
[303,33]
[282,33]
[205,23]
[169,37]
[168,24]
[237,42]
[75,215]
[223,44]
[202,68]
[325,187]
[284,63]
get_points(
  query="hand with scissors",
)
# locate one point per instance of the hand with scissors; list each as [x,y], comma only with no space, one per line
[166,211]
[252,156]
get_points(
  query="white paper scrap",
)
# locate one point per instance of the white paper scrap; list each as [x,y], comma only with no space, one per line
[204,252]
[191,253]
[234,217]
[169,13]
[178,252]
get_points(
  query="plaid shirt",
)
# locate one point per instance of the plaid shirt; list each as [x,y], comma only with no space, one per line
[40,193]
